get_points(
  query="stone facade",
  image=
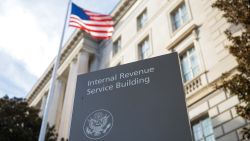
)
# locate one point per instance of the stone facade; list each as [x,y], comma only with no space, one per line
[220,107]
[190,27]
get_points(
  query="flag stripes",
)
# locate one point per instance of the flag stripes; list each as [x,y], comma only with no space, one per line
[99,26]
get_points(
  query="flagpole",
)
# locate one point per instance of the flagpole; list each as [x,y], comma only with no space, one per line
[53,80]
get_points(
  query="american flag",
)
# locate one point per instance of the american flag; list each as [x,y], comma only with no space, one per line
[99,26]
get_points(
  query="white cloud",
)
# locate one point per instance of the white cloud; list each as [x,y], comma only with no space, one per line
[15,79]
[23,38]
[102,6]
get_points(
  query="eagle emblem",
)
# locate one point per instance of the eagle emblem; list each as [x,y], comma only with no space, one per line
[98,124]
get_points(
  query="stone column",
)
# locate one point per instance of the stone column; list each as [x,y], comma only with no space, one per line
[83,62]
[56,105]
[60,105]
[78,66]
[68,99]
[44,99]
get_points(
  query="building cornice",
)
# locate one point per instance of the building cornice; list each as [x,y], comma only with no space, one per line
[121,8]
[186,31]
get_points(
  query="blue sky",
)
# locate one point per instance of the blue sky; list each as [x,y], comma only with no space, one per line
[29,39]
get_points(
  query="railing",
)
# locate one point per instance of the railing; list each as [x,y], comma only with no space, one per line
[193,85]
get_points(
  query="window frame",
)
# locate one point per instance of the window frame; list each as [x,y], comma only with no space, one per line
[140,25]
[178,8]
[117,45]
[140,46]
[199,121]
[186,52]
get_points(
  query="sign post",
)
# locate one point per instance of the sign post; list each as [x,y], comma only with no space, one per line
[141,101]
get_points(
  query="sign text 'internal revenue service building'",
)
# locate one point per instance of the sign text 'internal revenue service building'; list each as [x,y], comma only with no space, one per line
[141,101]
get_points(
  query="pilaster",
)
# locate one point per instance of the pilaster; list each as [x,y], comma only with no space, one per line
[56,105]
[79,65]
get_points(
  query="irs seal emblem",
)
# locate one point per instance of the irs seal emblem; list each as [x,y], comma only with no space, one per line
[98,124]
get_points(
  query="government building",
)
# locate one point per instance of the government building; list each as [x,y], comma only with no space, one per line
[145,29]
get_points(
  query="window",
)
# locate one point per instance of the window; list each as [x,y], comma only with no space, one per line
[179,16]
[190,64]
[144,49]
[203,130]
[116,46]
[142,19]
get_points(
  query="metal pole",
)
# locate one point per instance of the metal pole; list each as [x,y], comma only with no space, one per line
[53,81]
